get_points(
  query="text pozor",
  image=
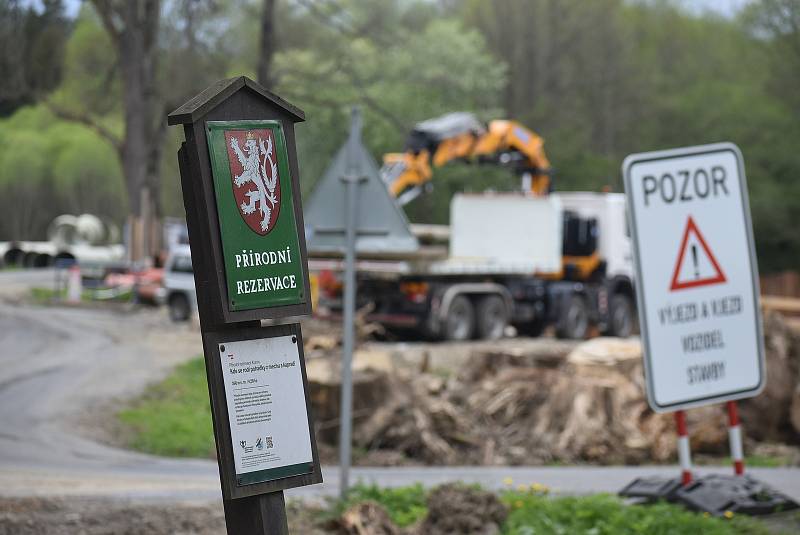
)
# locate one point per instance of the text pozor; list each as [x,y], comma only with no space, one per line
[685,185]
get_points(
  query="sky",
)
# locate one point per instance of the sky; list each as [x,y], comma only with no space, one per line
[723,7]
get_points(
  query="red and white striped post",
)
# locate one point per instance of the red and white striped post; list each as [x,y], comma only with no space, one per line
[684,452]
[735,438]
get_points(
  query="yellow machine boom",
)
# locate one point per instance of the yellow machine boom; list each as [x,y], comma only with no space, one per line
[460,136]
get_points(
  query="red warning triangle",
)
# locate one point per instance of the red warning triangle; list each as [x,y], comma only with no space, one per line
[702,270]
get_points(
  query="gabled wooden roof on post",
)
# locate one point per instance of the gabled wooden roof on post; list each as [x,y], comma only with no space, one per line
[215,94]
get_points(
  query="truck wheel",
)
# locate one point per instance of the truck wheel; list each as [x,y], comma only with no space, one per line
[492,317]
[460,323]
[621,321]
[573,322]
[178,307]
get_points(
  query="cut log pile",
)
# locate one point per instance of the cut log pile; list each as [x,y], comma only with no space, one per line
[513,407]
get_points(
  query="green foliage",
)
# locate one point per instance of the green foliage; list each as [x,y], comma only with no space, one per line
[750,461]
[598,80]
[57,167]
[405,505]
[602,514]
[603,79]
[89,177]
[24,155]
[45,296]
[90,70]
[173,417]
[400,67]
[32,41]
[531,511]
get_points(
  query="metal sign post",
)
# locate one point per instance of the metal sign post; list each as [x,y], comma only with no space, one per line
[241,192]
[338,223]
[351,179]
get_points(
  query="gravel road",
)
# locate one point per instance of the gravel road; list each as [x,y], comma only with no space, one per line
[60,367]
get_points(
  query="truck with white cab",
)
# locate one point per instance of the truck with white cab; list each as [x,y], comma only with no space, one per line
[514,259]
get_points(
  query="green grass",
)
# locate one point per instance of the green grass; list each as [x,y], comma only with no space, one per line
[173,417]
[765,461]
[755,461]
[48,295]
[405,505]
[532,511]
[603,514]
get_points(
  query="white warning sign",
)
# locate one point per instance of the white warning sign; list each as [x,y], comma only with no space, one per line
[697,279]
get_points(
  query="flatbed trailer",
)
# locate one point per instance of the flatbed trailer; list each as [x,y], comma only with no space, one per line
[509,267]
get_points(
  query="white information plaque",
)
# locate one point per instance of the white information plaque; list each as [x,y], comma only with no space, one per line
[266,408]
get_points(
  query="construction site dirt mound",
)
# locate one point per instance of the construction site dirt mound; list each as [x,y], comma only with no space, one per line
[456,508]
[536,403]
[366,518]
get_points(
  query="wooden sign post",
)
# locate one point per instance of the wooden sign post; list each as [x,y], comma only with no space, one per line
[242,197]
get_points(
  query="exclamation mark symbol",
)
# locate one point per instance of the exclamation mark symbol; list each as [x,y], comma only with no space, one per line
[694,259]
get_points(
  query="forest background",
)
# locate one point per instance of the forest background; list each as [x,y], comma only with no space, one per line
[83,97]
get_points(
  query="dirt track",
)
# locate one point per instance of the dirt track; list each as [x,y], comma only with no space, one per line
[35,516]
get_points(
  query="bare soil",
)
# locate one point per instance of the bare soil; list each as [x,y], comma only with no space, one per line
[37,516]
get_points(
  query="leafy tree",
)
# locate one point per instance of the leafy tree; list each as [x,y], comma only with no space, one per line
[774,26]
[49,167]
[87,176]
[32,44]
[598,80]
[23,172]
[379,57]
[778,22]
[148,72]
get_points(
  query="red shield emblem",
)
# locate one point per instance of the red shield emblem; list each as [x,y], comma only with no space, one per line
[254,173]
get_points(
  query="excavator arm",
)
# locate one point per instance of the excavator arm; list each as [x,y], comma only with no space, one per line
[460,136]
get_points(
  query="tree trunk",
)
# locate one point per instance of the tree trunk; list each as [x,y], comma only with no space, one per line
[133,27]
[267,44]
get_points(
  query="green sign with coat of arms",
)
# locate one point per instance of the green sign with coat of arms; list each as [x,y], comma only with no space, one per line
[255,204]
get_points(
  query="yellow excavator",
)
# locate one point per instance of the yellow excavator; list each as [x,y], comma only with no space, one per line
[461,136]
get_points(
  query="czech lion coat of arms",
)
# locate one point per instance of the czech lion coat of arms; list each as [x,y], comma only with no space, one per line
[254,173]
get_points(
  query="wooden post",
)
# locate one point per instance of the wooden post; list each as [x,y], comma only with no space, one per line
[241,192]
[260,514]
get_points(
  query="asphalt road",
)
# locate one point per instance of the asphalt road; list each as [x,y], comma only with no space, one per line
[60,367]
